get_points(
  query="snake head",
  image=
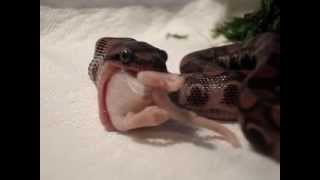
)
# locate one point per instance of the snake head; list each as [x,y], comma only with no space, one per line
[128,54]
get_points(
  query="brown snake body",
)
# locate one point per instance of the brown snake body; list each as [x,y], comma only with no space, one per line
[249,93]
[233,83]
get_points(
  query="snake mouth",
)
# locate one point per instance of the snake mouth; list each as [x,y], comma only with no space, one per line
[106,71]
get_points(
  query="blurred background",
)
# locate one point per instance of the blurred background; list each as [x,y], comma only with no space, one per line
[73,143]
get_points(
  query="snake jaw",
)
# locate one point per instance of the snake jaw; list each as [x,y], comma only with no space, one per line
[101,75]
[104,75]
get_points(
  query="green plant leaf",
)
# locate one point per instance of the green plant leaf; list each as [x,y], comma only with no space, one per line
[267,18]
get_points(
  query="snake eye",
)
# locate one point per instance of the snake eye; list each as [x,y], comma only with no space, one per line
[126,56]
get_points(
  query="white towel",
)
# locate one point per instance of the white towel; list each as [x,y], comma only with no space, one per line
[74,145]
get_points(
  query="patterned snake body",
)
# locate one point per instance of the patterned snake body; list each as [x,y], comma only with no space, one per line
[233,83]
[249,92]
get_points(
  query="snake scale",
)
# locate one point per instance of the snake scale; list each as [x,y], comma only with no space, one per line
[239,82]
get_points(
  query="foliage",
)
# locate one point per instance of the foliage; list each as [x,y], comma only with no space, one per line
[266,19]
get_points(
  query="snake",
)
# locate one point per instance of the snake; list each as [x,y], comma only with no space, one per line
[253,102]
[132,83]
[238,82]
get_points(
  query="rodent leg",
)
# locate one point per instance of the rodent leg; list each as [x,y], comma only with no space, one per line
[148,117]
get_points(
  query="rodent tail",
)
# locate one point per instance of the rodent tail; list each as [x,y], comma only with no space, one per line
[217,127]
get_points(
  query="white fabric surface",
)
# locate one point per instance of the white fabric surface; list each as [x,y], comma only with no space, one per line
[74,145]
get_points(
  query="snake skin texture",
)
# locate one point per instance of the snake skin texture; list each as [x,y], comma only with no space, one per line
[259,100]
[240,83]
[114,45]
[210,95]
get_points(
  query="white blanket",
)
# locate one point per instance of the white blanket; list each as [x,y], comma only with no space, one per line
[74,145]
